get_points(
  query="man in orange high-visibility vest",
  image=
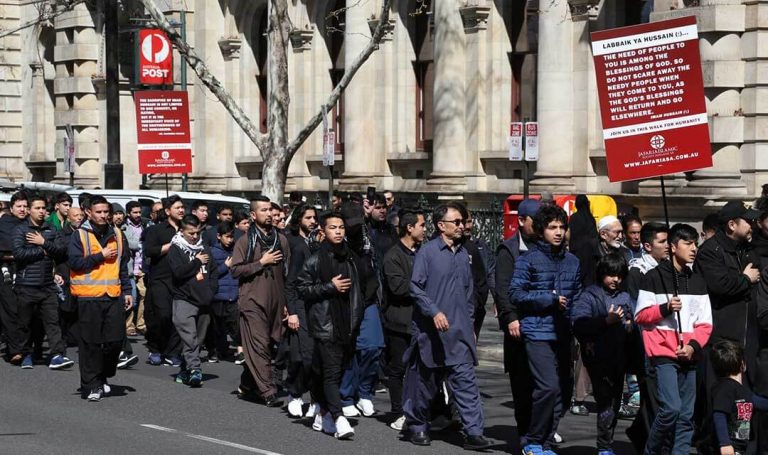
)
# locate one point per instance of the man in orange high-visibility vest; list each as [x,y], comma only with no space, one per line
[98,259]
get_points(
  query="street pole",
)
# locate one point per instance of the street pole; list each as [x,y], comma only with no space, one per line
[113,168]
[526,178]
[183,20]
[330,187]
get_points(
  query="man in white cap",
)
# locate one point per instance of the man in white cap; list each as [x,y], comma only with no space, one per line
[611,236]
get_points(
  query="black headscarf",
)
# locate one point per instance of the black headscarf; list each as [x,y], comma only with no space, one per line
[334,261]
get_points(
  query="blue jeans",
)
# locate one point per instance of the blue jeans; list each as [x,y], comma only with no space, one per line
[673,427]
[359,380]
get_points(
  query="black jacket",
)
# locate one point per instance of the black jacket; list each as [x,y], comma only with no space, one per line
[506,256]
[721,262]
[184,272]
[317,293]
[760,247]
[154,238]
[35,264]
[397,312]
[300,252]
[479,276]
[8,225]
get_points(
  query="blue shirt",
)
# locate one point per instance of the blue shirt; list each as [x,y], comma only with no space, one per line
[442,282]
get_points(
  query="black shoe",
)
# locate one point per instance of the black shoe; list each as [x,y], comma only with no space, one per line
[476,443]
[420,438]
[272,401]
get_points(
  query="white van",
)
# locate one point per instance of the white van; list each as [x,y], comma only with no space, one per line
[147,198]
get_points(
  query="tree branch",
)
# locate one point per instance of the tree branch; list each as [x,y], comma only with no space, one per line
[208,79]
[52,14]
[349,73]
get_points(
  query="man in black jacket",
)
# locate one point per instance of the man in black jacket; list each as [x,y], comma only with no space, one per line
[515,357]
[479,269]
[397,313]
[730,269]
[37,247]
[8,305]
[334,285]
[163,341]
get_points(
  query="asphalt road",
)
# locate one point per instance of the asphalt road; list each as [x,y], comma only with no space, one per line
[41,412]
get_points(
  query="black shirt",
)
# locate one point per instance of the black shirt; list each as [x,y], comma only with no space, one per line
[734,400]
[154,238]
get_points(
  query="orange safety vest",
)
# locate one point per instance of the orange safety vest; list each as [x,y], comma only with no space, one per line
[104,279]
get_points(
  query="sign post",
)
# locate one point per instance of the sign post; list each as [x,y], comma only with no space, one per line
[515,141]
[329,148]
[69,157]
[162,132]
[155,56]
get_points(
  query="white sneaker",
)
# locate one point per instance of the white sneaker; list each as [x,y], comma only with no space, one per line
[343,429]
[398,424]
[107,389]
[350,411]
[95,394]
[314,409]
[557,438]
[295,407]
[317,425]
[366,407]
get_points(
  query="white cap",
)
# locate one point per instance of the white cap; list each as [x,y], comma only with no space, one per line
[606,221]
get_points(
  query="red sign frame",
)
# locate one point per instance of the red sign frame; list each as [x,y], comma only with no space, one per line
[162,132]
[651,94]
[154,52]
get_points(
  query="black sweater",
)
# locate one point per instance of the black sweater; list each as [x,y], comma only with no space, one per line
[184,273]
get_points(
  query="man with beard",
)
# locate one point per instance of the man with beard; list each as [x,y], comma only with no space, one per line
[163,341]
[134,228]
[98,258]
[611,234]
[299,342]
[259,262]
[8,304]
[67,303]
[58,219]
[37,247]
[443,340]
[336,285]
[729,267]
[478,251]
[397,313]
[515,357]
[381,233]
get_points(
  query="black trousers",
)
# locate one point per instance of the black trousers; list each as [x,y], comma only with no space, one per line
[9,320]
[607,388]
[649,405]
[161,335]
[43,303]
[328,364]
[520,381]
[225,321]
[102,335]
[397,343]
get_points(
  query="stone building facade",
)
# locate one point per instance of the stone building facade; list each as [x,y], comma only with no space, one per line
[428,113]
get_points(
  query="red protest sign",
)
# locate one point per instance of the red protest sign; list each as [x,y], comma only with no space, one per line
[155,57]
[162,132]
[651,96]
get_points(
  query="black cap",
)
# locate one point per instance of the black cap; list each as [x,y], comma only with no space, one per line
[735,209]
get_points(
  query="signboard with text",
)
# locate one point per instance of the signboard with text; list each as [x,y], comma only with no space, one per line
[162,132]
[516,141]
[651,95]
[155,57]
[531,141]
[329,148]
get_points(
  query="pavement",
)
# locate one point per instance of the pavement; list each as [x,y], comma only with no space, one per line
[41,412]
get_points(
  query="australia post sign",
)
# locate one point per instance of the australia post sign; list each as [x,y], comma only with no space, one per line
[162,132]
[155,58]
[652,99]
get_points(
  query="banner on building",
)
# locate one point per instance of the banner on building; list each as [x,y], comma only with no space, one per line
[531,141]
[162,132]
[154,54]
[651,95]
[515,141]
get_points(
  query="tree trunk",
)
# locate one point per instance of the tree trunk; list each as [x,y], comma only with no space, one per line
[274,173]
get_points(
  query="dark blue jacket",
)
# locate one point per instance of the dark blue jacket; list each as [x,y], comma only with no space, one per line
[540,277]
[227,290]
[601,344]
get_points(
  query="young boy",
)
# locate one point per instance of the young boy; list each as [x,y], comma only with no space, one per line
[193,286]
[546,281]
[732,402]
[602,322]
[675,316]
[224,306]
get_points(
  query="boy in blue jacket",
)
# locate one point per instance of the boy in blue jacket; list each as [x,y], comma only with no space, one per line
[602,322]
[224,306]
[546,281]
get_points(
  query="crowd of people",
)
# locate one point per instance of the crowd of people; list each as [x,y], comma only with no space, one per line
[666,325]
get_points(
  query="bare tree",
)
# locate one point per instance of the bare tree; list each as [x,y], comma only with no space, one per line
[275,148]
[47,10]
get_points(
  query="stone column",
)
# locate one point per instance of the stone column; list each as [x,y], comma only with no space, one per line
[361,121]
[556,84]
[449,158]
